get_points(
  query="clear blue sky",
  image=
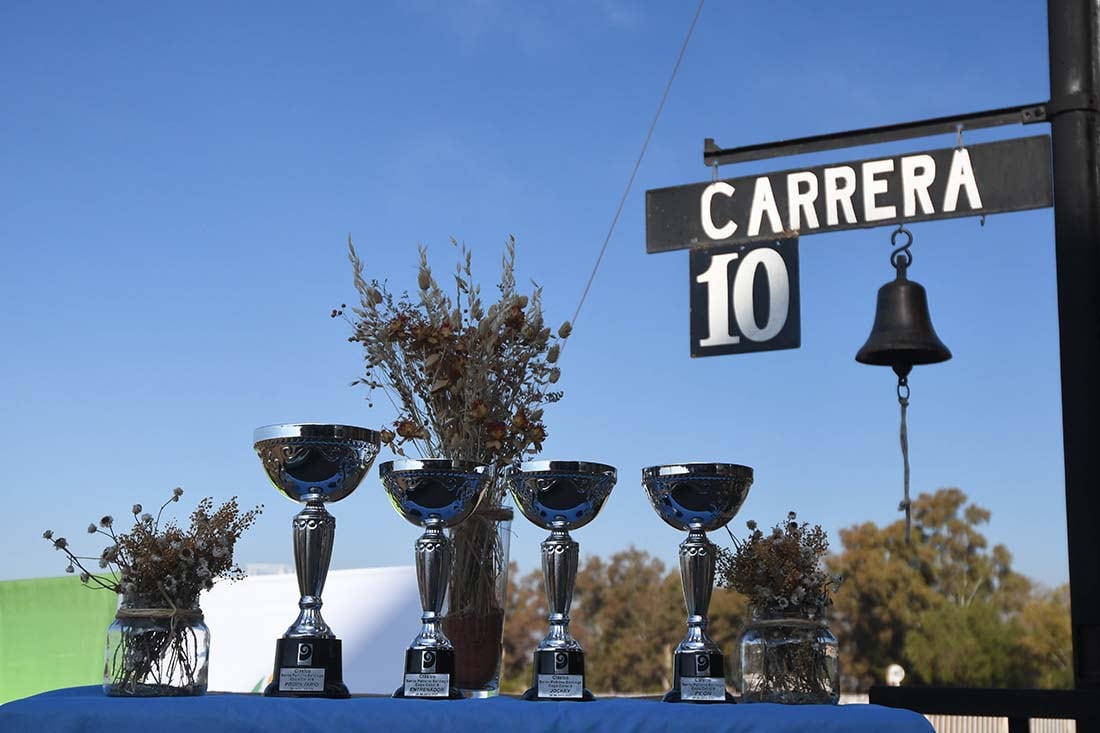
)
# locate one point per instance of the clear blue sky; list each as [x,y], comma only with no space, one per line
[177,183]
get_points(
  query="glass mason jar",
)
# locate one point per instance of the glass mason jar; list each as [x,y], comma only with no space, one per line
[791,660]
[156,651]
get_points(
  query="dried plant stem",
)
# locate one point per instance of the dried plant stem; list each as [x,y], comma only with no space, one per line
[469,382]
[478,562]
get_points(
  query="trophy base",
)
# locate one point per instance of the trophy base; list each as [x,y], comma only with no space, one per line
[429,674]
[309,667]
[559,675]
[699,677]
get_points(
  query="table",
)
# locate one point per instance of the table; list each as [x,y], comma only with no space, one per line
[87,710]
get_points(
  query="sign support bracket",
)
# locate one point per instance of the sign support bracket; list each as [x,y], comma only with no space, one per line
[1026,114]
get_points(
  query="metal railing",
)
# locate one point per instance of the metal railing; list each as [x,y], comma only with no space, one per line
[982,710]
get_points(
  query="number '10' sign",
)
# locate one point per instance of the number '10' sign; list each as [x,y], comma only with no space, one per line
[745,298]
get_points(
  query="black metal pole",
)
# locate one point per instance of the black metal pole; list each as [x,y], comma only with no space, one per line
[1074,36]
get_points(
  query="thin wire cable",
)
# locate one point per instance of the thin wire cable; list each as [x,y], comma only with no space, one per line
[637,164]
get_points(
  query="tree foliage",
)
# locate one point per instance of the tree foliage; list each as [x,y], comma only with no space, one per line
[947,607]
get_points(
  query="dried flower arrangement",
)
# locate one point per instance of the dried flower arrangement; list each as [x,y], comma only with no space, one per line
[787,653]
[468,381]
[159,570]
[781,573]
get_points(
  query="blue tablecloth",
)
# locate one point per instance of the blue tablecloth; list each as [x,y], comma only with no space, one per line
[87,710]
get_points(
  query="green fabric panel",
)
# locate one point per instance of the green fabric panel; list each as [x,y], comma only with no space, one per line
[52,634]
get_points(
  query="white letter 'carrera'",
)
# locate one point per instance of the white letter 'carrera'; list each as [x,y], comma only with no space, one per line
[873,186]
[961,177]
[801,197]
[763,202]
[917,174]
[709,228]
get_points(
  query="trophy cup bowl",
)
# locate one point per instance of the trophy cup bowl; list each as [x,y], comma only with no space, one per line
[313,465]
[435,494]
[697,497]
[559,496]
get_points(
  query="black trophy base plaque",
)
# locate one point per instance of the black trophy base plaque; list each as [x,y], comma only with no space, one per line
[559,675]
[308,668]
[698,677]
[428,675]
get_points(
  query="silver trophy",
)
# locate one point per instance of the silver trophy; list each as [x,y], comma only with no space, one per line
[314,464]
[697,497]
[434,494]
[559,496]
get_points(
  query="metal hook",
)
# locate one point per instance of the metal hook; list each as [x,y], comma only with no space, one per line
[959,136]
[902,256]
[714,172]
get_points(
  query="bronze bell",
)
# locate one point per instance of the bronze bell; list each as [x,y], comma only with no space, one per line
[902,335]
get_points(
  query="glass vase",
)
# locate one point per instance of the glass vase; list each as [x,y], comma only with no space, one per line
[474,611]
[791,660]
[156,651]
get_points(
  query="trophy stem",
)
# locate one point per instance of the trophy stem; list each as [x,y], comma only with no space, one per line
[697,561]
[314,529]
[430,660]
[560,557]
[433,571]
[697,663]
[559,659]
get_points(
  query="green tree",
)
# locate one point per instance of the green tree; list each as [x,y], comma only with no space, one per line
[972,645]
[947,607]
[631,610]
[1045,635]
[882,596]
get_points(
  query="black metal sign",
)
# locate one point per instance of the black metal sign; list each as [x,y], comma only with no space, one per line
[745,298]
[1010,175]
